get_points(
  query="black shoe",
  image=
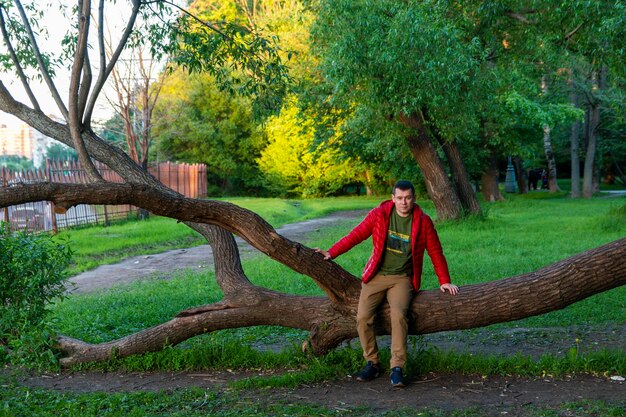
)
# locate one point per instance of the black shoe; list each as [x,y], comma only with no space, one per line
[397,380]
[371,371]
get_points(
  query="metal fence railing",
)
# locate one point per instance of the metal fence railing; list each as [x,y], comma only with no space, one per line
[187,179]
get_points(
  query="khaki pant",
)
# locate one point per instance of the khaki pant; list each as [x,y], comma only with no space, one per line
[399,291]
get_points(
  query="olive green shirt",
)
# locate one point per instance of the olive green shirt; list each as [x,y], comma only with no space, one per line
[397,255]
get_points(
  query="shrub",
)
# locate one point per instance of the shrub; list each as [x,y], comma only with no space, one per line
[32,274]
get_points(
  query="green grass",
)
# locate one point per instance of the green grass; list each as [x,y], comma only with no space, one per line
[94,246]
[17,401]
[519,235]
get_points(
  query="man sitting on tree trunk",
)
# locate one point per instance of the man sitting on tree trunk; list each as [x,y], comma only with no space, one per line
[401,232]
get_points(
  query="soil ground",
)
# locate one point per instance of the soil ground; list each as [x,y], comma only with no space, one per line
[493,395]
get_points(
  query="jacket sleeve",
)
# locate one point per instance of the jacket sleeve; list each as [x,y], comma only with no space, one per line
[435,252]
[357,235]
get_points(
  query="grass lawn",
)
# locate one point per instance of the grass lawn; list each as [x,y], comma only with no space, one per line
[99,245]
[519,235]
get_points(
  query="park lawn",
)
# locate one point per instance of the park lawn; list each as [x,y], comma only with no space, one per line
[98,245]
[519,236]
[19,401]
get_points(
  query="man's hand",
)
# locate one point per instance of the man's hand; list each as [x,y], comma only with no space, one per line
[327,256]
[451,288]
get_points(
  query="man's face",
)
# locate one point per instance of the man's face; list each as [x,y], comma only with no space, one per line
[403,200]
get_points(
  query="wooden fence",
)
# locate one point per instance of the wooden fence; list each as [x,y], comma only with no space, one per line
[187,179]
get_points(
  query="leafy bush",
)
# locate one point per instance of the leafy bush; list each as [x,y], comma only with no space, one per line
[32,274]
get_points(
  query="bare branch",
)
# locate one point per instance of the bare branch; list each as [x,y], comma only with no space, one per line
[99,149]
[42,66]
[16,62]
[197,19]
[103,75]
[74,115]
[85,85]
[521,15]
[573,32]
[338,284]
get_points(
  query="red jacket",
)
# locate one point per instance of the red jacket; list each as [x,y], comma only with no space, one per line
[423,237]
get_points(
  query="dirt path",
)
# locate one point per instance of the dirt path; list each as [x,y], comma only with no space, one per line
[161,265]
[496,396]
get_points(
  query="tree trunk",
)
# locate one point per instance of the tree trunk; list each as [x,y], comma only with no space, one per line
[330,320]
[590,154]
[520,174]
[439,187]
[489,181]
[547,147]
[460,178]
[575,149]
[591,132]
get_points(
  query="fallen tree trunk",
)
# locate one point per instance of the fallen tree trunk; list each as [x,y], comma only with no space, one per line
[330,320]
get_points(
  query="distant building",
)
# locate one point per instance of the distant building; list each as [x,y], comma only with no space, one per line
[18,138]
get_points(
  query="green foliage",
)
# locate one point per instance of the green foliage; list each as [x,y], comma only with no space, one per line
[195,122]
[541,115]
[112,130]
[16,163]
[32,275]
[472,69]
[60,152]
[215,37]
[293,164]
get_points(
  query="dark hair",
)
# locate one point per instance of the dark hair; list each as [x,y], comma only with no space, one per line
[403,185]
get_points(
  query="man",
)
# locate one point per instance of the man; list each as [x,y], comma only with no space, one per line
[401,232]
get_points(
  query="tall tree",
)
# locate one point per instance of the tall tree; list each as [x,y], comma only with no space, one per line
[195,122]
[137,89]
[592,126]
[547,147]
[574,145]
[418,87]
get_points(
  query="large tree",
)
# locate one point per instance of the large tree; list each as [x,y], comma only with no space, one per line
[330,319]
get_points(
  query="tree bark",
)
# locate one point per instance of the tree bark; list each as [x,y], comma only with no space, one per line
[460,179]
[553,186]
[439,187]
[520,175]
[489,181]
[590,154]
[591,184]
[575,149]
[330,320]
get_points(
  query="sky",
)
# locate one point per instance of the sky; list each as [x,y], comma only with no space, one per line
[57,25]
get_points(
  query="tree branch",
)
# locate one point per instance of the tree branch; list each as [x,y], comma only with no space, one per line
[16,62]
[74,115]
[100,150]
[332,279]
[85,85]
[521,15]
[42,67]
[103,75]
[229,272]
[209,318]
